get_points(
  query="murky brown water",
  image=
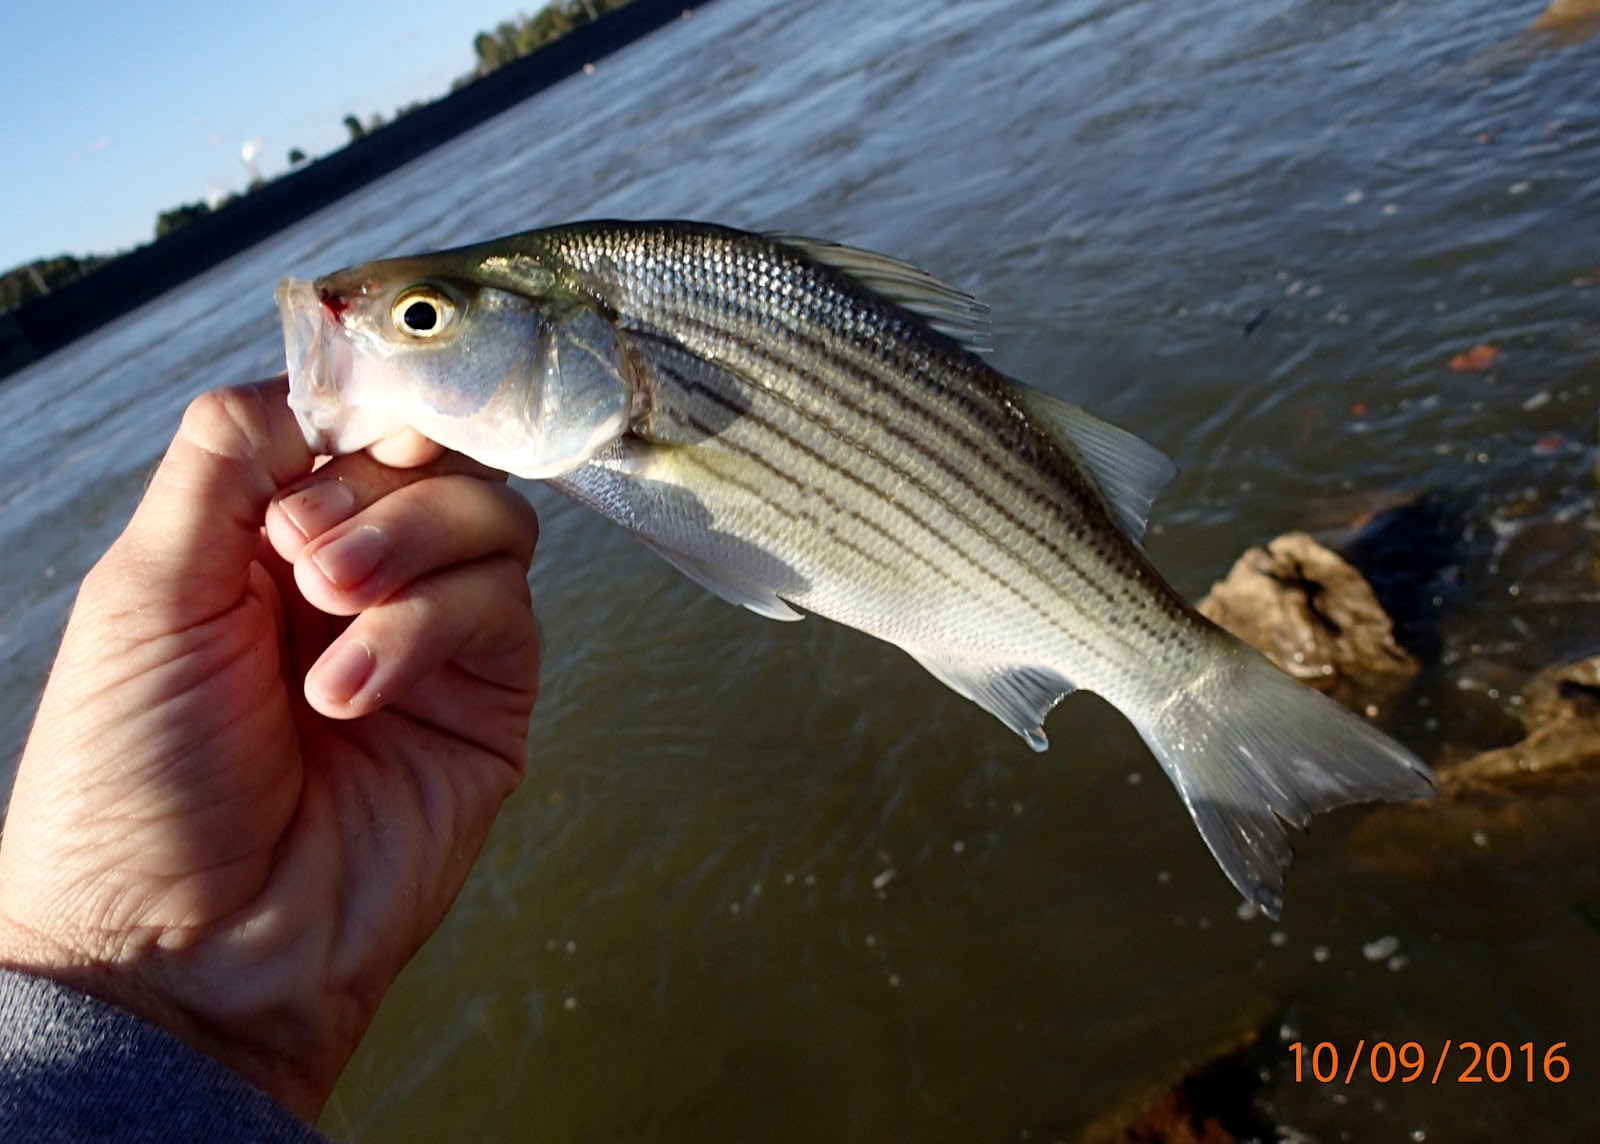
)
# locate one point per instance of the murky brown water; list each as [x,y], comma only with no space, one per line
[772,882]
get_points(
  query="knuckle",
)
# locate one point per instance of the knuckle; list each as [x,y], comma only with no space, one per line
[501,579]
[368,479]
[230,423]
[439,506]
[475,514]
[512,574]
[527,520]
[495,589]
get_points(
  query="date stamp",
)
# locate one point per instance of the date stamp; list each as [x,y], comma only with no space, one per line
[1453,1062]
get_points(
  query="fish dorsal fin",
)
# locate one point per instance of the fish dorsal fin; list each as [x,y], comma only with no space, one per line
[1020,697]
[954,313]
[1128,471]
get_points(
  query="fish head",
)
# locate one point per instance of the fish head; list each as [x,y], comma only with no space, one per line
[531,383]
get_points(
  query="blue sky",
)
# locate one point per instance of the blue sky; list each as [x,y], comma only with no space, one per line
[116,112]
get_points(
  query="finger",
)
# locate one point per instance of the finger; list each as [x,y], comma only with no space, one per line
[304,631]
[346,486]
[407,449]
[415,531]
[196,531]
[478,616]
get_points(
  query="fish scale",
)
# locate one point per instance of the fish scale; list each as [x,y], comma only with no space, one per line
[794,422]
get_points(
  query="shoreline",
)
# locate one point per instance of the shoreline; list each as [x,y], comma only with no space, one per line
[32,332]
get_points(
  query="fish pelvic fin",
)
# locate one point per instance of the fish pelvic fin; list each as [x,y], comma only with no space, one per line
[1020,697]
[1251,751]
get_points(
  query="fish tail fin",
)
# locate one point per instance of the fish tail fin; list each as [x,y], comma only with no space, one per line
[1251,750]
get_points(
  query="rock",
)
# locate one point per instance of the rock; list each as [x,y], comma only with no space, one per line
[1560,11]
[1563,749]
[1173,1119]
[1313,614]
[1567,692]
[1213,1103]
[1561,709]
[1511,810]
[1573,20]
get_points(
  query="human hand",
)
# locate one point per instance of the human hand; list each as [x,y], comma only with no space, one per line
[200,837]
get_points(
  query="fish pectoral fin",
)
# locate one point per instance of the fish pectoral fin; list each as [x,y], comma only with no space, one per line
[952,311]
[672,516]
[1127,470]
[1020,697]
[731,586]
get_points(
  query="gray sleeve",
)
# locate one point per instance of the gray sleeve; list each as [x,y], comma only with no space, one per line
[74,1068]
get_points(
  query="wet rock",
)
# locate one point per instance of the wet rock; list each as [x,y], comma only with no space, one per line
[1560,707]
[1509,812]
[1561,11]
[1214,1103]
[1173,1119]
[1315,616]
[1568,692]
[1569,20]
[1561,750]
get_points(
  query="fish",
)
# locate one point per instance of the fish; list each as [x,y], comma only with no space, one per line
[802,426]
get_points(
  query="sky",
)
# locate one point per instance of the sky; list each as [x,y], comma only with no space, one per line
[120,111]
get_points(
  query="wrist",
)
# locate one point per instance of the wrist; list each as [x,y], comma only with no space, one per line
[130,981]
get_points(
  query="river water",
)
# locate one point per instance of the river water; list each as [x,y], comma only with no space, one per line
[772,882]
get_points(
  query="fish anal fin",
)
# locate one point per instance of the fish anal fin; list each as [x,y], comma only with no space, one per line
[1127,470]
[1020,697]
[950,310]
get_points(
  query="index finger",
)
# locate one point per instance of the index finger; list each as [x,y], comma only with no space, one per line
[348,485]
[197,529]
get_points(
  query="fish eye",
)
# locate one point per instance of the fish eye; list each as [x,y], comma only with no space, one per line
[422,312]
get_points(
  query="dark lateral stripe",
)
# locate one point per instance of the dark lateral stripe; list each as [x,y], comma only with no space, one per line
[820,296]
[754,490]
[940,461]
[962,554]
[1069,495]
[918,525]
[756,456]
[736,276]
[804,299]
[690,385]
[800,514]
[818,305]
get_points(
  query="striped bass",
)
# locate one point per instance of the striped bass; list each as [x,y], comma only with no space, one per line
[798,424]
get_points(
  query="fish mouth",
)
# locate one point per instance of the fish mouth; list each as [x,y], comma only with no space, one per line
[318,354]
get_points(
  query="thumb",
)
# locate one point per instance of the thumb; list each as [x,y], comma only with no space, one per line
[197,530]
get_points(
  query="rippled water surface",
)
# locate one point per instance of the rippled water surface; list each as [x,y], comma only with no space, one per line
[772,882]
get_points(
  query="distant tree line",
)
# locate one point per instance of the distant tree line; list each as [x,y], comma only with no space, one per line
[169,221]
[510,40]
[36,279]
